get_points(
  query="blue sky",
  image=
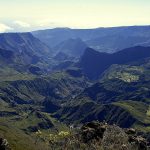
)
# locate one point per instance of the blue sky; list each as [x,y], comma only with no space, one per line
[27,15]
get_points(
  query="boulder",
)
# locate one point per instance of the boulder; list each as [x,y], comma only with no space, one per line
[93,130]
[113,136]
[4,145]
[139,141]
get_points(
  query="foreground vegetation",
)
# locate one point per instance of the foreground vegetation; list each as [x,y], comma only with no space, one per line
[91,136]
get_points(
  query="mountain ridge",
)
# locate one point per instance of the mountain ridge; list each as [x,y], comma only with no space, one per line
[109,39]
[93,63]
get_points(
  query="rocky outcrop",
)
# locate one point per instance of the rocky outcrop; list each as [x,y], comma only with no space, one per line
[4,145]
[112,136]
[93,130]
[133,137]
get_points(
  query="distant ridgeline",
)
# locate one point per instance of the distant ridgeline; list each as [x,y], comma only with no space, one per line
[102,39]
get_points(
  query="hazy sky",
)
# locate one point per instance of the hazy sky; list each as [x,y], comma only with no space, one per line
[26,15]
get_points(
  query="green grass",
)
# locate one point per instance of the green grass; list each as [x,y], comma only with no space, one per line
[18,139]
[148,112]
[142,128]
[125,73]
[137,109]
[9,74]
[13,129]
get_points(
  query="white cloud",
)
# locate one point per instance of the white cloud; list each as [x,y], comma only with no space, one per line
[4,28]
[22,24]
[46,23]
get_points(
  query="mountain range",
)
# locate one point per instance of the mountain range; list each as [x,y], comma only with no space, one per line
[108,40]
[53,81]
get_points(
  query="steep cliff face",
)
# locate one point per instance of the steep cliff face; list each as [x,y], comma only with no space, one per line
[94,63]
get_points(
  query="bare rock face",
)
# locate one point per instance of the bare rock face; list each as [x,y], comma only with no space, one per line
[4,145]
[93,130]
[113,137]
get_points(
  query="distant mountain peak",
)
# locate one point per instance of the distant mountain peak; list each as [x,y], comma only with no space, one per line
[73,47]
